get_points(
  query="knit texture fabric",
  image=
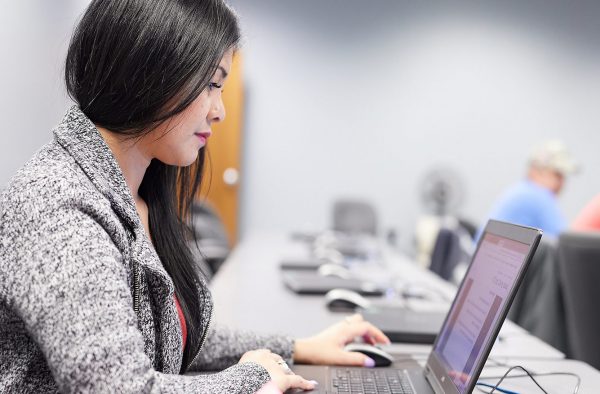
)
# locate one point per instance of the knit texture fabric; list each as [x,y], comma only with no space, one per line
[70,241]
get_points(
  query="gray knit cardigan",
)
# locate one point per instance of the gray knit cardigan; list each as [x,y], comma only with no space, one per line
[72,250]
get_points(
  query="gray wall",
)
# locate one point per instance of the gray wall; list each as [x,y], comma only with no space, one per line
[33,36]
[357,98]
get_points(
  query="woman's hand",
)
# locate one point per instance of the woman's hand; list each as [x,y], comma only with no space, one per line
[279,371]
[327,347]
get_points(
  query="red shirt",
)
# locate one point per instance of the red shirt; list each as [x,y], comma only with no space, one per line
[589,217]
[181,320]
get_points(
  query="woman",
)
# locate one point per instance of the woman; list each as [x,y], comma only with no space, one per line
[99,292]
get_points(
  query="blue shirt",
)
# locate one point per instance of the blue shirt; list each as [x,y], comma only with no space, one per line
[529,204]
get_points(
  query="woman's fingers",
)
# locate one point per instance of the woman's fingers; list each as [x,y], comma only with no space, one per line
[371,333]
[357,317]
[377,334]
[368,339]
[298,382]
[275,357]
[367,330]
[355,359]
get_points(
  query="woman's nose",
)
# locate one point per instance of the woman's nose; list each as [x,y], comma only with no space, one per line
[217,113]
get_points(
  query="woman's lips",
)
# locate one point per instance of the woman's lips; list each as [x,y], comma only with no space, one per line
[203,135]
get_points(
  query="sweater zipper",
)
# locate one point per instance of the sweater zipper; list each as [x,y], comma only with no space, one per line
[202,340]
[136,290]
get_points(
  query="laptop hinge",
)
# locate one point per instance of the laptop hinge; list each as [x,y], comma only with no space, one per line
[430,377]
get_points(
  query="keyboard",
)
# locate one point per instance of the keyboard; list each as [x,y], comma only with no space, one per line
[369,381]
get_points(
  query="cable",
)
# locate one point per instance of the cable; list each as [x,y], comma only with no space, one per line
[527,374]
[505,391]
[494,388]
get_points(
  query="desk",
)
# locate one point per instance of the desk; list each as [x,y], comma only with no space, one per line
[249,294]
[249,285]
[590,377]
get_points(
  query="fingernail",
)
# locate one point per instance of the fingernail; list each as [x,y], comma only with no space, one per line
[369,362]
[312,384]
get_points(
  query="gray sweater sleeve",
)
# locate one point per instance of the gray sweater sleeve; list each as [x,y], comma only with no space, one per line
[69,287]
[232,344]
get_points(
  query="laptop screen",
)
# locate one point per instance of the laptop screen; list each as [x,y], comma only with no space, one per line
[475,313]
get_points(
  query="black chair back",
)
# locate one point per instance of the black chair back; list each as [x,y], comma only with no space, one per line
[448,252]
[211,246]
[579,264]
[354,217]
[538,305]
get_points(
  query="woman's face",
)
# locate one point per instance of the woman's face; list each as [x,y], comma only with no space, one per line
[178,140]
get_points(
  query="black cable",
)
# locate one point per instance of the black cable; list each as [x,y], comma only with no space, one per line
[526,371]
[530,375]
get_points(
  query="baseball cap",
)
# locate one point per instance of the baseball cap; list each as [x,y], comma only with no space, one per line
[554,155]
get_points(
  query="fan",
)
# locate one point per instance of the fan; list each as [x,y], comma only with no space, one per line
[442,190]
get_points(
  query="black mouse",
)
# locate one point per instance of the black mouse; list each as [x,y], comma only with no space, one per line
[381,357]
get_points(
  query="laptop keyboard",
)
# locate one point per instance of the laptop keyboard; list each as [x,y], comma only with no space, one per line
[369,381]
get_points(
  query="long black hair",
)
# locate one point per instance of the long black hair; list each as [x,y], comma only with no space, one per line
[132,65]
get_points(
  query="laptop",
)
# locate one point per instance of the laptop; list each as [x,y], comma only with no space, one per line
[302,282]
[469,330]
[404,325]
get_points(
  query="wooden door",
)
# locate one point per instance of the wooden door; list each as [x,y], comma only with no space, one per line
[222,172]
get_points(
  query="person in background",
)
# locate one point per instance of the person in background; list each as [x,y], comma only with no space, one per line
[99,292]
[534,200]
[588,218]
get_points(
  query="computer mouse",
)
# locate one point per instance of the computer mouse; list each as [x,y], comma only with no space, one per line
[342,299]
[381,357]
[335,270]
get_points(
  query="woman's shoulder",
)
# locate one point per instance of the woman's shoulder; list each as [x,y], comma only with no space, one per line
[49,171]
[51,207]
[51,179]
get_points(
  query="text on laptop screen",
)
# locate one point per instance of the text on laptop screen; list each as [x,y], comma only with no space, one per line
[482,297]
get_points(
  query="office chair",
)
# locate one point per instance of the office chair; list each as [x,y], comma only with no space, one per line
[449,251]
[354,217]
[468,226]
[212,245]
[538,305]
[579,264]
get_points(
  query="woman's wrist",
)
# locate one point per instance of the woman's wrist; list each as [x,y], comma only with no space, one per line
[301,351]
[269,388]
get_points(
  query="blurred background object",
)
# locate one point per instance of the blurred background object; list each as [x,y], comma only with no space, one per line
[354,217]
[442,195]
[533,200]
[539,304]
[211,245]
[442,191]
[362,104]
[579,257]
[588,219]
[452,252]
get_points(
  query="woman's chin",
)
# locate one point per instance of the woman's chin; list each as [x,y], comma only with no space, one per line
[182,161]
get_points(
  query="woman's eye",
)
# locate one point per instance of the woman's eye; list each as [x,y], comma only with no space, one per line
[214,85]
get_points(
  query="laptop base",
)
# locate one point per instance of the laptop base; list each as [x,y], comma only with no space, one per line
[408,369]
